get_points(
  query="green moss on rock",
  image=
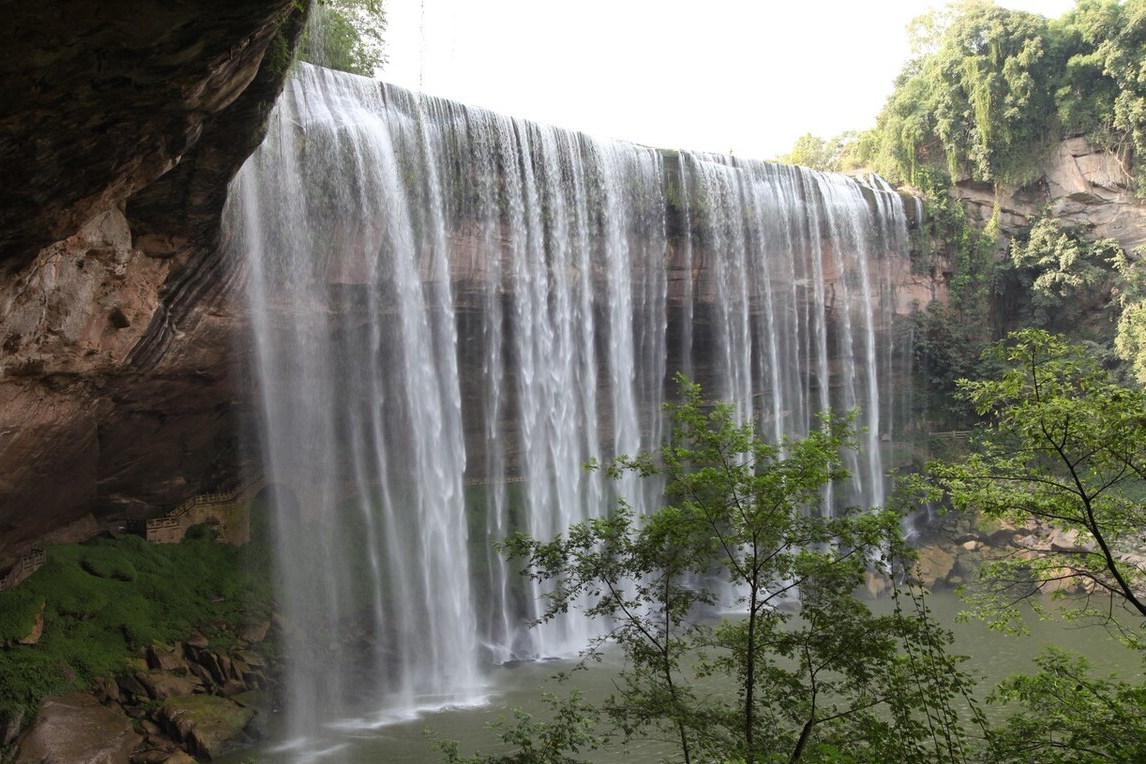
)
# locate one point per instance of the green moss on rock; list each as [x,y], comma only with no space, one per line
[103,602]
[18,611]
[205,724]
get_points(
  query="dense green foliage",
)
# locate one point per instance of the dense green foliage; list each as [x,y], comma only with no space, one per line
[346,35]
[1066,715]
[948,340]
[103,601]
[835,155]
[1114,38]
[1061,452]
[987,92]
[974,98]
[1058,264]
[827,681]
[1064,447]
[1053,278]
[988,89]
[1130,337]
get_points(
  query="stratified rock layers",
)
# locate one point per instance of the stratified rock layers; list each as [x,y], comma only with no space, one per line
[1079,184]
[122,126]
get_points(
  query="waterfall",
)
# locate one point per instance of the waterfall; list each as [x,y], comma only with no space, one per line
[452,311]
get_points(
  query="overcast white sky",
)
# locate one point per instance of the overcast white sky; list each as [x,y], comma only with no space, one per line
[741,76]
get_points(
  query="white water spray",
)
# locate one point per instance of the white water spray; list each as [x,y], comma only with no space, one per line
[452,311]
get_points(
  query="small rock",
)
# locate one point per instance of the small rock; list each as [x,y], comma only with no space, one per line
[197,640]
[260,701]
[37,631]
[131,687]
[1068,541]
[256,632]
[112,688]
[254,679]
[219,666]
[161,685]
[163,658]
[966,568]
[1004,537]
[251,658]
[210,661]
[232,687]
[151,756]
[100,689]
[161,742]
[971,545]
[875,583]
[203,675]
[1029,541]
[228,668]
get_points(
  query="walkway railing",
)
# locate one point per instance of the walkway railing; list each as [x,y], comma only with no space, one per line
[157,528]
[25,566]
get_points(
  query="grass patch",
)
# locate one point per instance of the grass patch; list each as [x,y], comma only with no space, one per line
[105,600]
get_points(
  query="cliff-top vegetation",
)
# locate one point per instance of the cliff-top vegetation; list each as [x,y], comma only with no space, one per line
[988,90]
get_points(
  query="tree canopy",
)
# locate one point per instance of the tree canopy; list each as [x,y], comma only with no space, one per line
[1060,455]
[744,525]
[834,155]
[988,89]
[346,35]
[1062,452]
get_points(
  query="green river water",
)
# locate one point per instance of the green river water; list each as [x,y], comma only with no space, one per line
[994,656]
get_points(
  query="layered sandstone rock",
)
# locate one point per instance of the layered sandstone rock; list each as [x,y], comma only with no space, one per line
[1078,183]
[123,124]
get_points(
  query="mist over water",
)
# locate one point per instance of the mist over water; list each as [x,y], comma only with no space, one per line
[453,310]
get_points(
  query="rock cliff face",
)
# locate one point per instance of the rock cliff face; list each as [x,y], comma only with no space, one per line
[122,124]
[1080,184]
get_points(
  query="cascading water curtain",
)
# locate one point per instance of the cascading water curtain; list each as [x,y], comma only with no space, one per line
[355,340]
[452,311]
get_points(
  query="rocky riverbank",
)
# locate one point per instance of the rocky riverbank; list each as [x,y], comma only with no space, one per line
[118,650]
[185,701]
[953,548]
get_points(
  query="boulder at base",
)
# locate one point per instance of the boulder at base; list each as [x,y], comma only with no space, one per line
[76,729]
[933,566]
[205,724]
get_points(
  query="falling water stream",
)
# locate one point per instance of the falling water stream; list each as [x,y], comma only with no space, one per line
[453,310]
